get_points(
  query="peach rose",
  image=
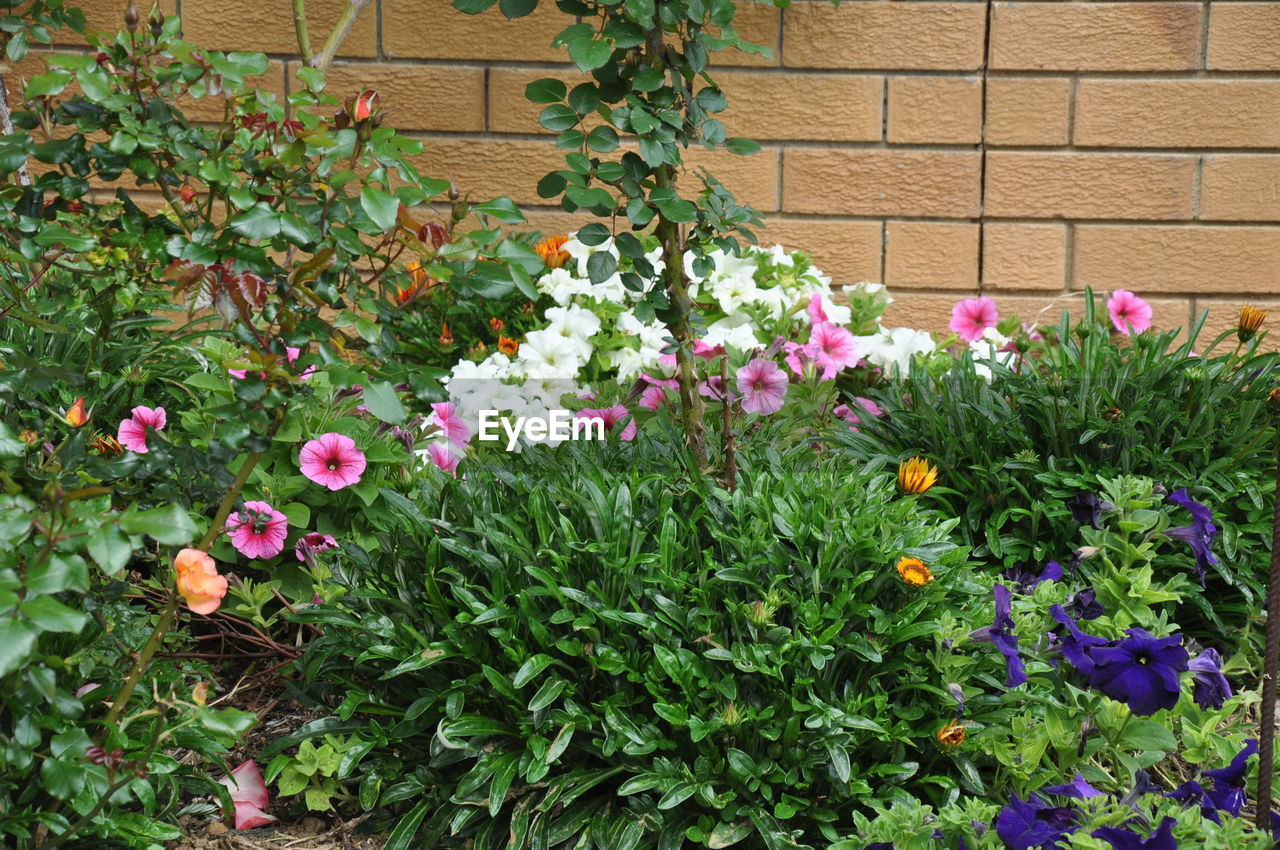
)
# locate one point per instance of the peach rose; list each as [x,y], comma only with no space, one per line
[199,582]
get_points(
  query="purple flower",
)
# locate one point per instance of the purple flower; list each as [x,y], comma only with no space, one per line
[1026,581]
[1034,823]
[1141,670]
[1084,605]
[1076,645]
[1086,509]
[1192,793]
[1001,634]
[1124,839]
[1230,789]
[1077,789]
[1211,687]
[1199,535]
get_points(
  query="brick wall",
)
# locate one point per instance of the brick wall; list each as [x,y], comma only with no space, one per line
[1022,149]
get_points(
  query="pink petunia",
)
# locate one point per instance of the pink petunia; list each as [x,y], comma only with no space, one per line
[971,316]
[838,349]
[611,416]
[1128,311]
[258,531]
[816,313]
[444,415]
[763,386]
[290,354]
[443,457]
[801,356]
[249,795]
[311,543]
[133,431]
[655,394]
[700,349]
[853,413]
[332,460]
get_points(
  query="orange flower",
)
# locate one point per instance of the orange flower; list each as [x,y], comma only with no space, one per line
[951,735]
[365,105]
[549,250]
[199,582]
[446,337]
[421,283]
[508,346]
[914,572]
[76,415]
[916,475]
[1251,319]
[497,325]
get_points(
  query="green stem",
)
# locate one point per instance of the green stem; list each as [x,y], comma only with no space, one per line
[340,30]
[300,29]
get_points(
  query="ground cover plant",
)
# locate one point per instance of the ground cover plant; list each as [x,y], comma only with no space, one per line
[815,583]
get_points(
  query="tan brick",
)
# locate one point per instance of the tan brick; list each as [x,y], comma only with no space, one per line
[1096,36]
[413,29]
[1028,110]
[821,107]
[1178,113]
[268,26]
[1024,256]
[848,251]
[755,23]
[877,182]
[1244,37]
[417,97]
[938,36]
[1158,258]
[485,169]
[510,111]
[1240,187]
[938,110]
[931,254]
[1224,317]
[933,312]
[1089,185]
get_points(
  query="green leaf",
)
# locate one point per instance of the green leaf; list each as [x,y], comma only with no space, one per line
[503,209]
[51,615]
[260,222]
[109,548]
[517,8]
[601,266]
[545,90]
[603,139]
[10,446]
[557,118]
[407,828]
[589,53]
[16,641]
[531,668]
[1149,735]
[593,234]
[584,98]
[728,834]
[743,147]
[380,206]
[169,524]
[547,694]
[472,7]
[382,401]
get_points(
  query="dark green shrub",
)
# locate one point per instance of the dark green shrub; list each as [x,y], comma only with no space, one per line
[578,648]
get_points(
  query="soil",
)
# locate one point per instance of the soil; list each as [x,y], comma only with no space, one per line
[310,833]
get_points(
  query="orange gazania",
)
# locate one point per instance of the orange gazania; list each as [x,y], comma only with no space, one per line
[497,325]
[914,572]
[1251,319]
[106,445]
[508,346]
[446,336]
[420,283]
[551,251]
[76,414]
[916,475]
[951,735]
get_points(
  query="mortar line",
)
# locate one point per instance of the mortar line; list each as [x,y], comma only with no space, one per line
[982,148]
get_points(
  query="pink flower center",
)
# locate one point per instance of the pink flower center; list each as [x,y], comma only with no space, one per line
[334,464]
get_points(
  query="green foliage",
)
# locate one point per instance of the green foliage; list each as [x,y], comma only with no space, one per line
[578,645]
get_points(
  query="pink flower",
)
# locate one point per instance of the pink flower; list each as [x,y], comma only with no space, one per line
[763,386]
[290,354]
[249,795]
[800,357]
[443,457]
[816,313]
[714,388]
[258,531]
[611,416]
[332,460]
[1128,310]
[700,349]
[655,395]
[86,687]
[853,413]
[444,416]
[133,431]
[311,543]
[837,347]
[971,316]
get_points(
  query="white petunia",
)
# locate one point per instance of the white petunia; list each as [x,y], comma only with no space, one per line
[546,354]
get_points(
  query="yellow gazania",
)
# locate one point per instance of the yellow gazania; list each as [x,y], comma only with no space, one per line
[551,252]
[1251,319]
[916,475]
[914,572]
[951,735]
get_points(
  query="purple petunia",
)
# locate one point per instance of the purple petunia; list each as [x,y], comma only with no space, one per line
[1121,838]
[1199,535]
[1076,645]
[1077,789]
[1001,634]
[1034,823]
[1211,687]
[1141,670]
[1086,508]
[1230,786]
[1026,581]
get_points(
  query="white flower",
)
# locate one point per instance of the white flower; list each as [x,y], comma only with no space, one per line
[627,361]
[895,348]
[546,354]
[732,291]
[733,331]
[562,286]
[575,324]
[659,265]
[987,350]
[779,255]
[582,253]
[877,292]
